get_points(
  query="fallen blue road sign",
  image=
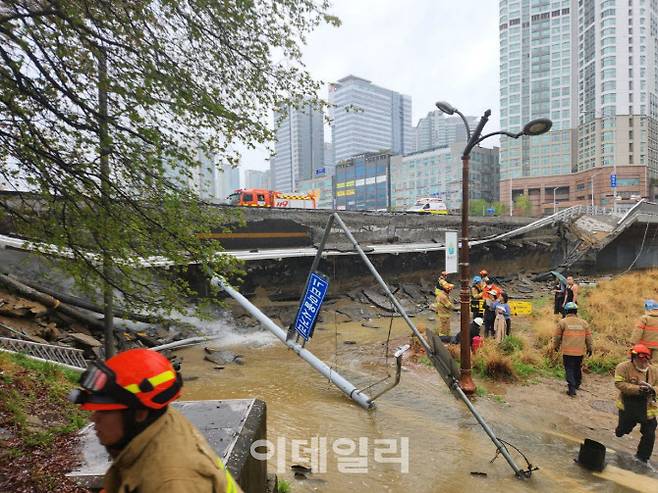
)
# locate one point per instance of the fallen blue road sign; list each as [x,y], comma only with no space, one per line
[307,314]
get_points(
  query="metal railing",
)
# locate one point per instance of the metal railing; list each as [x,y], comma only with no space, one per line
[65,356]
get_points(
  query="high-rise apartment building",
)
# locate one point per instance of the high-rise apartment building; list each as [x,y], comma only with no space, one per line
[590,66]
[368,118]
[299,148]
[436,130]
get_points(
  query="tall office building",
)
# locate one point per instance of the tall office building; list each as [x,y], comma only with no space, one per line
[437,130]
[257,179]
[299,148]
[589,66]
[329,160]
[368,118]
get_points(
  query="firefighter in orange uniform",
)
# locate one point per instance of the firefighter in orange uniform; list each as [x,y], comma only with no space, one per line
[444,306]
[154,448]
[636,381]
[574,336]
[646,328]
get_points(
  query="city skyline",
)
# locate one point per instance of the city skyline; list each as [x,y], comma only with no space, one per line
[434,70]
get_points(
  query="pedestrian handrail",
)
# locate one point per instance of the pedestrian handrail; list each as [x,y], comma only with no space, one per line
[68,357]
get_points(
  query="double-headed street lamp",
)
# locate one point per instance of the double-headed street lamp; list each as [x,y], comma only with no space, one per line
[534,127]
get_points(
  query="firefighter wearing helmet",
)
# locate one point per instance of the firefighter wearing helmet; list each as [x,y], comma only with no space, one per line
[636,381]
[154,448]
[443,305]
[646,328]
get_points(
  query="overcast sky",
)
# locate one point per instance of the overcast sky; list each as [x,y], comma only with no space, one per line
[428,49]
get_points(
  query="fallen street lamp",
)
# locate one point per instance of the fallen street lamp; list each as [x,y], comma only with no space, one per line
[534,127]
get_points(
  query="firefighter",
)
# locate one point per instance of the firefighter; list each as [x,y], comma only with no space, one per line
[489,295]
[574,336]
[477,290]
[636,381]
[646,328]
[153,447]
[484,274]
[444,307]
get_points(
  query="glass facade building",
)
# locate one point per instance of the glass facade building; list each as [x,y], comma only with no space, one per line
[362,182]
[437,172]
[368,118]
[435,130]
[299,147]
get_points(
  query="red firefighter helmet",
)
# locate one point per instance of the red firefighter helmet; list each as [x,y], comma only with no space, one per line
[133,378]
[640,350]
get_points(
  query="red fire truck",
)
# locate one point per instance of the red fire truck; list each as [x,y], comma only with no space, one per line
[256,197]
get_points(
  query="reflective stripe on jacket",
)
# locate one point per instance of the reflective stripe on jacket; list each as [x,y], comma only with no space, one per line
[169,456]
[646,331]
[476,296]
[627,380]
[573,335]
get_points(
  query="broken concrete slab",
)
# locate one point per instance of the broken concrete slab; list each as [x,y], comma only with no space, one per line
[222,357]
[85,340]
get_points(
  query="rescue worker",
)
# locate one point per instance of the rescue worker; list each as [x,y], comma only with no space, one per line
[571,293]
[443,306]
[574,336]
[153,447]
[484,274]
[636,381]
[477,290]
[646,328]
[491,292]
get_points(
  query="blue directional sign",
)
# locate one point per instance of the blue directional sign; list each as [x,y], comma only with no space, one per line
[308,311]
[320,171]
[613,181]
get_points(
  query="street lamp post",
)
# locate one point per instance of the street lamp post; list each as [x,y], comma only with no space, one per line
[535,127]
[511,196]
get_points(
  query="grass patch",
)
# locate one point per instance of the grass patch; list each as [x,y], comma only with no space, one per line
[39,419]
[480,391]
[424,360]
[283,486]
[511,344]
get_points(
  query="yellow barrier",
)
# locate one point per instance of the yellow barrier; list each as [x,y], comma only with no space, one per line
[522,308]
[517,307]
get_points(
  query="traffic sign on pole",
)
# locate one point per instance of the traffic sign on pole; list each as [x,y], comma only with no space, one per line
[613,181]
[308,311]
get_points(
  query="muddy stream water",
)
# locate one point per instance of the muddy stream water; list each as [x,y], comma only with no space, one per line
[445,443]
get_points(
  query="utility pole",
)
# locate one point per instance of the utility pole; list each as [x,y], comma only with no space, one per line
[105,150]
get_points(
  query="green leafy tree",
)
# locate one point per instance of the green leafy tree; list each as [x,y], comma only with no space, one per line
[522,203]
[477,207]
[107,107]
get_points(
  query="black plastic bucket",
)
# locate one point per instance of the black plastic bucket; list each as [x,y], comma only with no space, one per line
[592,455]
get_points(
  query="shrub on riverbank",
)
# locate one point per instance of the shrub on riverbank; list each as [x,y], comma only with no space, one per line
[37,426]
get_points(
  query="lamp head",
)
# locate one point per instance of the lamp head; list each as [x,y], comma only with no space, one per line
[537,127]
[446,107]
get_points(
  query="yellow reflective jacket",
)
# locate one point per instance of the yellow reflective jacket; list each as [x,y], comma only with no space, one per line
[170,456]
[646,331]
[627,380]
[443,303]
[574,335]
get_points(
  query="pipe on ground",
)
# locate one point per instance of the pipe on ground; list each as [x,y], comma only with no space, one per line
[348,389]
